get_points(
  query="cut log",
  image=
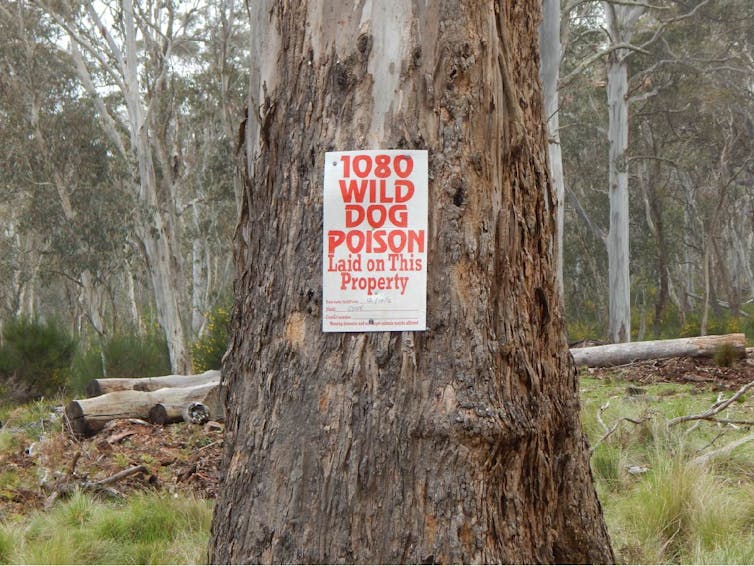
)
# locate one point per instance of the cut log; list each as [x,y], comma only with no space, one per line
[619,354]
[196,413]
[89,416]
[210,408]
[103,386]
[166,413]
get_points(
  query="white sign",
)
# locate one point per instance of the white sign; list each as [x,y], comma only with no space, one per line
[374,251]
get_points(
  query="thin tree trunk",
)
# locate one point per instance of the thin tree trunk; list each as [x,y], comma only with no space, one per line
[620,23]
[458,444]
[166,281]
[617,238]
[707,288]
[136,319]
[550,51]
[156,223]
[198,286]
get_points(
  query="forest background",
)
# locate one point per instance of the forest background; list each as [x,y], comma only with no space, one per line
[118,189]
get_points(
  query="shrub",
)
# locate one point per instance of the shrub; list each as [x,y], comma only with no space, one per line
[208,350]
[36,356]
[131,355]
[126,355]
[725,355]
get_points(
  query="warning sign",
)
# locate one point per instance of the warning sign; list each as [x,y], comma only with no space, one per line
[374,252]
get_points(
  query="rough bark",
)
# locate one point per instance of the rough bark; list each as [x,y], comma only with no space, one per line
[458,444]
[102,386]
[618,354]
[88,416]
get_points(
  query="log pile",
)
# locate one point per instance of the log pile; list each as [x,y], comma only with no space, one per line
[160,400]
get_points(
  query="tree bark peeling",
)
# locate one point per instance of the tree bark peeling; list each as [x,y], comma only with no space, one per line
[458,444]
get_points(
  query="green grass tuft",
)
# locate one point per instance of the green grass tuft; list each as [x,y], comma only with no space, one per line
[7,544]
[147,529]
[674,509]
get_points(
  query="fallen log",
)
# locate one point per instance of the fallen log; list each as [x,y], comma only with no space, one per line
[210,408]
[619,354]
[193,413]
[103,386]
[89,416]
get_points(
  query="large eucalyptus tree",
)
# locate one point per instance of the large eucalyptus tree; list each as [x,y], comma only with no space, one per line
[461,443]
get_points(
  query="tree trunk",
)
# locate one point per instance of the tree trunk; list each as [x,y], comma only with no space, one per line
[618,354]
[156,219]
[156,226]
[550,49]
[458,444]
[620,23]
[198,286]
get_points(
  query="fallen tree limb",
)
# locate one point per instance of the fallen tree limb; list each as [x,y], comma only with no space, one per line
[709,414]
[69,484]
[103,386]
[609,431]
[724,451]
[619,354]
[117,477]
[89,416]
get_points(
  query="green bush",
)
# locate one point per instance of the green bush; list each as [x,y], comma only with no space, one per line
[126,355]
[36,356]
[131,355]
[208,350]
[584,324]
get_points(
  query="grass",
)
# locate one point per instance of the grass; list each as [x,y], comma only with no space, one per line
[151,527]
[660,503]
[671,509]
[147,529]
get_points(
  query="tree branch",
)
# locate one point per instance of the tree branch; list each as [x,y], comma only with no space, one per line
[661,28]
[108,122]
[596,230]
[82,40]
[727,449]
[719,406]
[589,61]
[117,53]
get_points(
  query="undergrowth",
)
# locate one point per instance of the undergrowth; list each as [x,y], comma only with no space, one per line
[147,529]
[664,503]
